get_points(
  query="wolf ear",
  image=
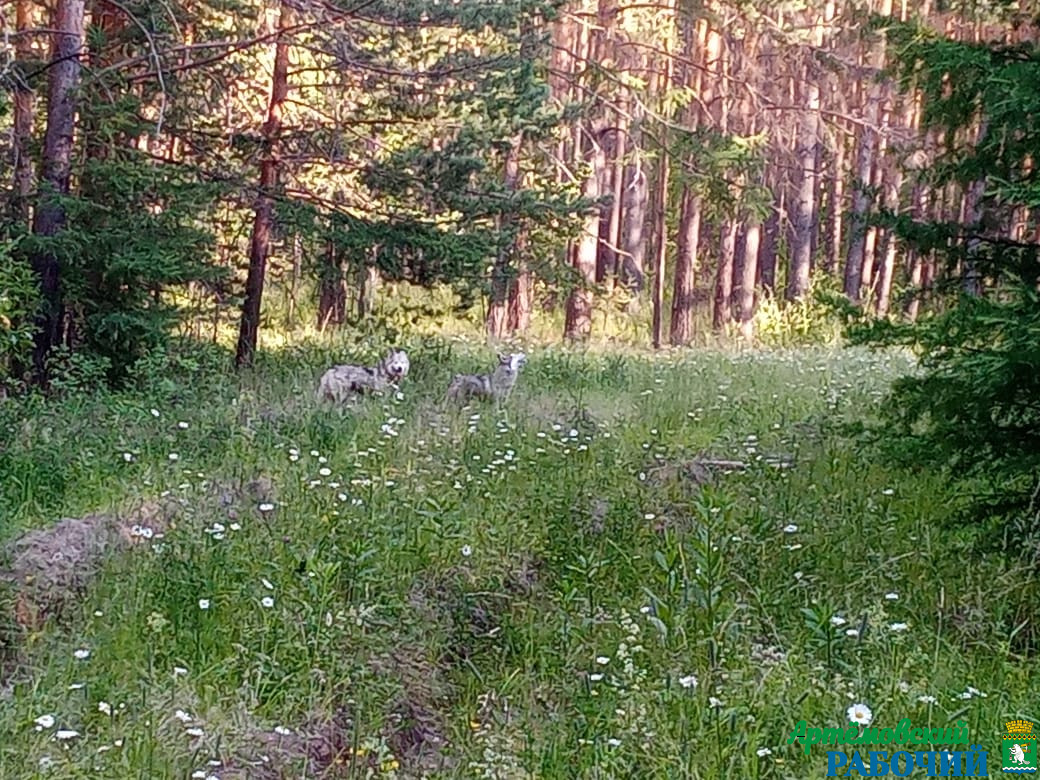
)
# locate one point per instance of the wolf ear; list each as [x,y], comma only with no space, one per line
[503,359]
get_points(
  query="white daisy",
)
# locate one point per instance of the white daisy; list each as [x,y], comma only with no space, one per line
[859,713]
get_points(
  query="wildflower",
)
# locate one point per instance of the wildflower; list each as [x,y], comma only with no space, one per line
[614,742]
[155,412]
[602,660]
[325,471]
[182,425]
[898,627]
[194,732]
[926,699]
[266,507]
[790,528]
[859,713]
[179,671]
[852,632]
[44,722]
[173,456]
[203,603]
[891,597]
[282,730]
[104,707]
[64,734]
[595,677]
[888,492]
[714,703]
[267,583]
[689,681]
[267,602]
[128,456]
[82,654]
[649,516]
[182,716]
[762,752]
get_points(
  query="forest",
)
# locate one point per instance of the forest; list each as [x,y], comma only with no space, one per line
[767,279]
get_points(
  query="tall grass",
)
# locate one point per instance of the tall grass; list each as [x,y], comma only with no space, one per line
[555,589]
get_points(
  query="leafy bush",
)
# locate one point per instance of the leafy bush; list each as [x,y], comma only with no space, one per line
[18,301]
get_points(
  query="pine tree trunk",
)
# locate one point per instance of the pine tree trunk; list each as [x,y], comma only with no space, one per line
[685,269]
[368,283]
[22,123]
[502,275]
[49,218]
[263,221]
[835,209]
[722,313]
[632,273]
[860,260]
[332,289]
[752,240]
[767,249]
[578,324]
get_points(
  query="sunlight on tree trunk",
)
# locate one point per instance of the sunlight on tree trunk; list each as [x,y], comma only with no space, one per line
[263,222]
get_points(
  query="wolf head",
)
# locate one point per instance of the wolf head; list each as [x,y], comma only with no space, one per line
[512,362]
[396,364]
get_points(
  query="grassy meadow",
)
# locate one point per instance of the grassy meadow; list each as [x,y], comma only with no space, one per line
[557,589]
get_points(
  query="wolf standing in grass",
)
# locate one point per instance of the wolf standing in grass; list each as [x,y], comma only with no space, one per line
[345,382]
[497,385]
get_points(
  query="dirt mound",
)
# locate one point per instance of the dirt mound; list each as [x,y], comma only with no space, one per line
[49,568]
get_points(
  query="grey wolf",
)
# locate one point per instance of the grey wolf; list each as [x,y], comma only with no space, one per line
[497,385]
[345,382]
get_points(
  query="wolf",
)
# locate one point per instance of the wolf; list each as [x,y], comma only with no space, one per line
[345,382]
[497,385]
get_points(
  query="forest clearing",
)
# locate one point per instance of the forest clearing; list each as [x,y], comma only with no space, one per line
[543,389]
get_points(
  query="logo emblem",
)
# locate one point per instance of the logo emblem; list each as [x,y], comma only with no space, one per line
[1019,747]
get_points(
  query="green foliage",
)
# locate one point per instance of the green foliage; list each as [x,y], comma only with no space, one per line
[813,319]
[134,230]
[973,404]
[19,294]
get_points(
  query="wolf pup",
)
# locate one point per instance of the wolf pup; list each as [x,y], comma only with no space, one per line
[497,385]
[345,382]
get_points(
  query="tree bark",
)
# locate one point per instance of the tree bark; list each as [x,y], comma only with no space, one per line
[22,123]
[722,312]
[752,239]
[263,221]
[808,150]
[631,272]
[49,219]
[496,323]
[578,325]
[685,269]
[332,289]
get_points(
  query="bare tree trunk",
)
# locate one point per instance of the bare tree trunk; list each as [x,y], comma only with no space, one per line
[22,124]
[685,269]
[578,325]
[859,264]
[497,321]
[263,222]
[49,219]
[332,289]
[767,249]
[752,239]
[808,150]
[722,313]
[835,207]
[884,291]
[294,280]
[520,295]
[617,201]
[368,283]
[684,284]
[633,241]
